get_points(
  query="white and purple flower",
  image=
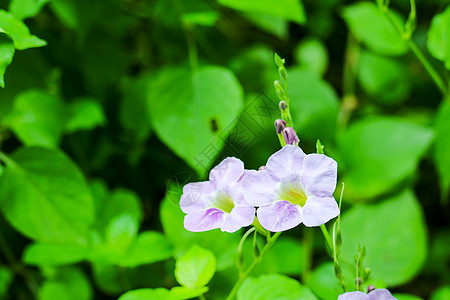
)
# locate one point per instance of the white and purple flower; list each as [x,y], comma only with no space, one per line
[294,188]
[378,294]
[217,203]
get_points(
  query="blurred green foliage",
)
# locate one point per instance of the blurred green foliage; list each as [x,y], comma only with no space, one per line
[107,108]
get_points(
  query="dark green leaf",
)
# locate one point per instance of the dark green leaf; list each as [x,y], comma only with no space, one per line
[442,147]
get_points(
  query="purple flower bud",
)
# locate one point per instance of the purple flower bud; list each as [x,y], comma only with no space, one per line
[370,288]
[290,136]
[280,125]
[283,105]
[262,168]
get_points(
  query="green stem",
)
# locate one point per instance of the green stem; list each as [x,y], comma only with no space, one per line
[327,237]
[192,48]
[308,243]
[257,260]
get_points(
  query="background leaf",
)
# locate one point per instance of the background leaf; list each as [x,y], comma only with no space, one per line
[19,32]
[6,55]
[438,42]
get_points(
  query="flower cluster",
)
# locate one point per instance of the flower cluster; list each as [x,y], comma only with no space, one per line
[293,188]
[376,294]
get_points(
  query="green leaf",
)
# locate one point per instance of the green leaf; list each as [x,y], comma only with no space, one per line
[312,55]
[203,18]
[406,297]
[6,278]
[46,254]
[181,292]
[121,232]
[385,79]
[291,10]
[23,9]
[324,283]
[37,118]
[149,247]
[132,105]
[314,106]
[442,293]
[84,114]
[146,294]
[192,114]
[442,147]
[394,234]
[67,284]
[275,25]
[368,24]
[274,286]
[196,267]
[378,153]
[6,54]
[438,42]
[223,245]
[45,197]
[19,32]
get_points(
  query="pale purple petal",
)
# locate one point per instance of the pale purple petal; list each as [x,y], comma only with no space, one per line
[287,161]
[239,217]
[381,294]
[196,196]
[354,296]
[319,175]
[279,216]
[204,220]
[228,172]
[258,188]
[319,210]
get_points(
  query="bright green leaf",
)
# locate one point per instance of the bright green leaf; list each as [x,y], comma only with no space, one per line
[275,25]
[6,55]
[291,10]
[6,278]
[37,118]
[274,286]
[438,37]
[146,294]
[46,254]
[196,267]
[121,232]
[67,284]
[312,55]
[369,25]
[45,197]
[323,282]
[84,114]
[192,114]
[149,247]
[181,292]
[394,234]
[442,293]
[442,147]
[19,32]
[378,153]
[222,244]
[23,9]
[203,18]
[384,78]
[314,106]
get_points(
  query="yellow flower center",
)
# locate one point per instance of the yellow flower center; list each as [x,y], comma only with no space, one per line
[294,196]
[224,203]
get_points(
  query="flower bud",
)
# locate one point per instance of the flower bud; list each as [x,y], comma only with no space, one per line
[283,73]
[370,288]
[279,61]
[282,105]
[279,89]
[280,125]
[262,168]
[290,136]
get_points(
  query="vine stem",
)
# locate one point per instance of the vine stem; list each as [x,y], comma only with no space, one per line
[257,260]
[327,237]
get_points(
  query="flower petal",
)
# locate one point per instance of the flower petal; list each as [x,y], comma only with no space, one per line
[319,175]
[319,210]
[279,216]
[287,161]
[259,188]
[228,172]
[196,196]
[204,220]
[381,294]
[353,296]
[239,217]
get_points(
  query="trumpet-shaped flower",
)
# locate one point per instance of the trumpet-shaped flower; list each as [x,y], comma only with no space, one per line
[217,203]
[378,294]
[294,188]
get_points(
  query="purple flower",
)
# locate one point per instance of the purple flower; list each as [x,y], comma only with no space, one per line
[378,294]
[295,188]
[217,203]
